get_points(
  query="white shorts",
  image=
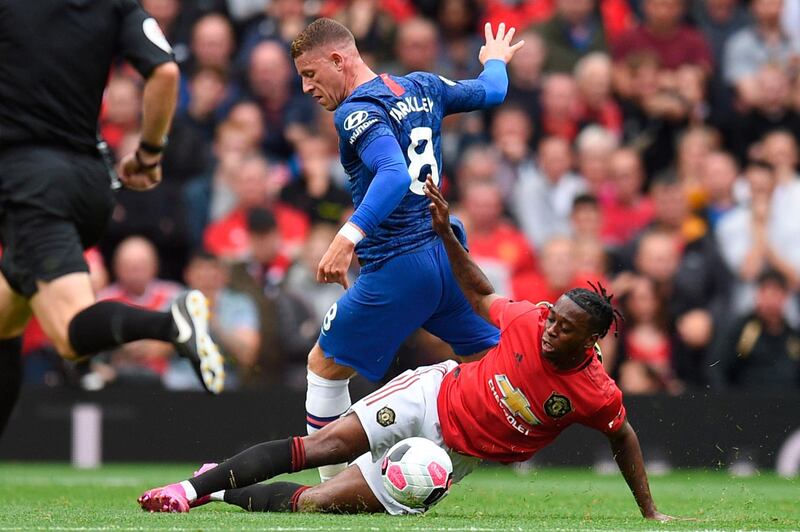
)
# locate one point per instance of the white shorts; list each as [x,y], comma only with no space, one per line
[405,407]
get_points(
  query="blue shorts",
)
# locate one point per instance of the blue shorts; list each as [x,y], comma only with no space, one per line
[364,329]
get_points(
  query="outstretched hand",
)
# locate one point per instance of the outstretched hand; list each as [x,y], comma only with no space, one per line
[498,46]
[440,210]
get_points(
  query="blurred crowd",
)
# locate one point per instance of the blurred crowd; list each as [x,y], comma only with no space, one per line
[650,145]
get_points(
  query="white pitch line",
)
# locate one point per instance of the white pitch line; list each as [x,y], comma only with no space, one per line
[308,529]
[50,481]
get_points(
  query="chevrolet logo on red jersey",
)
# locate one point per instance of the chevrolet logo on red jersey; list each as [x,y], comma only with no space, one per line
[515,401]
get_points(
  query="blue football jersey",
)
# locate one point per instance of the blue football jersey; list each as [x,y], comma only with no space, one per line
[411,109]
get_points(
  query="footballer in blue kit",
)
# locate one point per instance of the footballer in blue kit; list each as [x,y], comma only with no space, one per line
[389,142]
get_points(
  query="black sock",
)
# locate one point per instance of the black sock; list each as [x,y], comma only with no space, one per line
[256,464]
[10,377]
[273,497]
[109,324]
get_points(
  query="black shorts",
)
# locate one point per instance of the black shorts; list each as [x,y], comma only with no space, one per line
[54,203]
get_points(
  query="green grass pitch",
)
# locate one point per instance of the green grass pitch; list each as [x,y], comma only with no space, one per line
[57,497]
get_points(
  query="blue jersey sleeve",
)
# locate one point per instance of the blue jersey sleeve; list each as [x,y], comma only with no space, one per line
[487,90]
[359,123]
[385,159]
[365,127]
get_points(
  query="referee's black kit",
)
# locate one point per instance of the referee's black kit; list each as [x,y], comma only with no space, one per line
[55,58]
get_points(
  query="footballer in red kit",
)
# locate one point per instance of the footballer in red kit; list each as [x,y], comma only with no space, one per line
[494,410]
[543,375]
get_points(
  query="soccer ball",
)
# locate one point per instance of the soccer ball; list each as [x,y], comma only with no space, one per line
[417,472]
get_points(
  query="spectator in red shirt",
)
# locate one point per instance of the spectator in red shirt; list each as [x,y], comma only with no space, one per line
[560,109]
[210,197]
[664,32]
[501,249]
[597,106]
[558,273]
[255,184]
[135,268]
[517,14]
[645,346]
[629,210]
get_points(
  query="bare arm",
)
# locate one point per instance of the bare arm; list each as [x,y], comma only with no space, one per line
[159,101]
[628,455]
[476,287]
[141,170]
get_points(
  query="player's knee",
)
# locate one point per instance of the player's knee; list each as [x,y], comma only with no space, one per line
[326,446]
[316,362]
[65,351]
[324,367]
[339,442]
[63,346]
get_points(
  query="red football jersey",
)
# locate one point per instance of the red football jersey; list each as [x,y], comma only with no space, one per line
[513,402]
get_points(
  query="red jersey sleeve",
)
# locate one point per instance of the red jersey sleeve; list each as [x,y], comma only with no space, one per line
[497,309]
[610,417]
[504,311]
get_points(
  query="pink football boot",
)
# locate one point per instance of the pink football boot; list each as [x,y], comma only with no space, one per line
[169,498]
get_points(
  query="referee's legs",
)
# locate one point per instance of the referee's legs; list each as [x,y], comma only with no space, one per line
[14,315]
[78,326]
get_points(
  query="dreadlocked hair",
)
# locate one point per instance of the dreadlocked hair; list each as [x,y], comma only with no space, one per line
[597,303]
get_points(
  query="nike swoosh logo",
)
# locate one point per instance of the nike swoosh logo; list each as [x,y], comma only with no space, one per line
[184,329]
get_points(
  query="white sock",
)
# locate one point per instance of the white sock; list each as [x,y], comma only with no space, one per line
[218,496]
[188,489]
[326,401]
